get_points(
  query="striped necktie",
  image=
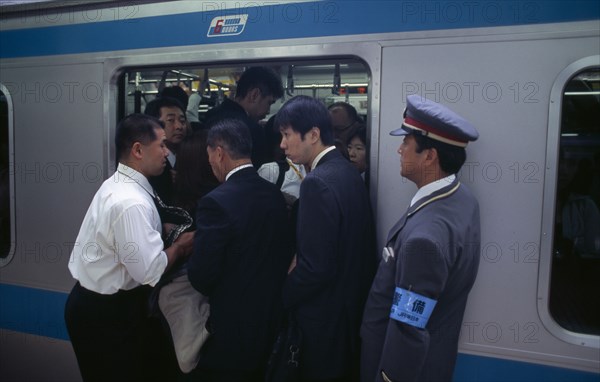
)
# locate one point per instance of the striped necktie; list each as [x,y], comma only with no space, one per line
[172,215]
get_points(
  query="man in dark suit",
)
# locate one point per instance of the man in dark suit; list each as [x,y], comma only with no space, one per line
[415,308]
[257,89]
[172,114]
[335,260]
[240,258]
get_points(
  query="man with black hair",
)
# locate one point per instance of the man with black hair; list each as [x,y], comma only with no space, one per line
[257,89]
[172,114]
[117,256]
[335,262]
[177,92]
[344,120]
[414,313]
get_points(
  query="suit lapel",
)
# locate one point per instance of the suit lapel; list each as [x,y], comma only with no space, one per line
[437,195]
[329,156]
[243,174]
[397,228]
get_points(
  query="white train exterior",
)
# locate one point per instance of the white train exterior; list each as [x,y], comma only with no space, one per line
[503,65]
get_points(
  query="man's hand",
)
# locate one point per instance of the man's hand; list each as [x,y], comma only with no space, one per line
[185,243]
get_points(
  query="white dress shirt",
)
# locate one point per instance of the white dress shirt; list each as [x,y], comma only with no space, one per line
[172,158]
[432,187]
[119,245]
[236,169]
[321,155]
[292,178]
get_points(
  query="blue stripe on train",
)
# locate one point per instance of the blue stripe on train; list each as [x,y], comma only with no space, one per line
[40,312]
[33,311]
[288,20]
[472,368]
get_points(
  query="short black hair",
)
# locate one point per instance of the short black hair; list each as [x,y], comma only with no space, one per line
[261,77]
[153,107]
[350,110]
[135,128]
[451,157]
[361,133]
[175,92]
[302,113]
[233,135]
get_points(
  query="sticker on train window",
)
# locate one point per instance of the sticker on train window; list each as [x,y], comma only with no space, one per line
[227,25]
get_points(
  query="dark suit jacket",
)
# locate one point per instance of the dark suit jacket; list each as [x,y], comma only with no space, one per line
[240,259]
[436,255]
[231,109]
[335,265]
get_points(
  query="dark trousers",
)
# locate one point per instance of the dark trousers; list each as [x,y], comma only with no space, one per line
[113,338]
[199,375]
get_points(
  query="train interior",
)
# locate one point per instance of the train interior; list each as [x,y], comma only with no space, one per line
[330,81]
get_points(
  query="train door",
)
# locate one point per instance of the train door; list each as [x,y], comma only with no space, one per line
[332,81]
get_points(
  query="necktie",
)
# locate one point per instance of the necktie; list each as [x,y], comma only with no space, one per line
[172,215]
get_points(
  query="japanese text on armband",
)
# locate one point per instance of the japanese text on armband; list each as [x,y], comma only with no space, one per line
[411,308]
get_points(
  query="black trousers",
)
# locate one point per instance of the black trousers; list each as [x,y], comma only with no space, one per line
[115,340]
[199,375]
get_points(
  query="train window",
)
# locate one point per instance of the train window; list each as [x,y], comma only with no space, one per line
[331,81]
[574,301]
[6,205]
[205,87]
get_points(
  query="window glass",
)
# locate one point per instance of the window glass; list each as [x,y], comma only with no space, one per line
[331,81]
[337,82]
[5,214]
[575,292]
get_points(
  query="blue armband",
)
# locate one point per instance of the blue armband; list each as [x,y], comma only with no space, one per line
[411,308]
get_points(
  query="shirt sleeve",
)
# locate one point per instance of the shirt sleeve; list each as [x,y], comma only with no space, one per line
[421,269]
[269,171]
[192,108]
[139,246]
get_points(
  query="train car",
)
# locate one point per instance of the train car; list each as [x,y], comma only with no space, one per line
[525,73]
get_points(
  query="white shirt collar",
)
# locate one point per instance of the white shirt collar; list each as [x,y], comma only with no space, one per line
[136,176]
[321,155]
[171,158]
[432,187]
[236,169]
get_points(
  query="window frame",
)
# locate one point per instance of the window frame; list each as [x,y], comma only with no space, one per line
[549,205]
[11,176]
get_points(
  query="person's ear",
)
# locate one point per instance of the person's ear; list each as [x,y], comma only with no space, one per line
[220,153]
[254,94]
[314,134]
[136,150]
[432,156]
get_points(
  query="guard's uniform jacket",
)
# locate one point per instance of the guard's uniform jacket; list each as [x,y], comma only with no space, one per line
[432,253]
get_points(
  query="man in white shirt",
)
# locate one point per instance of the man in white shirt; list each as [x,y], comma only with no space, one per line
[118,253]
